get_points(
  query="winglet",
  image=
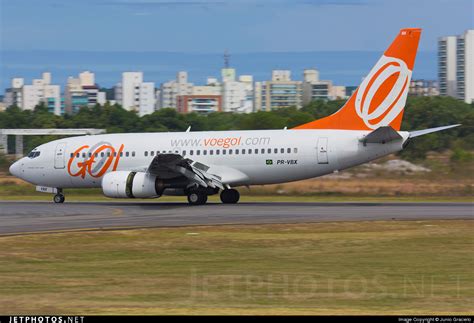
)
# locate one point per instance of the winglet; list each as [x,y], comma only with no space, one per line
[417,133]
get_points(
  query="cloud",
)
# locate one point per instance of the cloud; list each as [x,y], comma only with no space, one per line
[213,3]
[161,4]
[332,3]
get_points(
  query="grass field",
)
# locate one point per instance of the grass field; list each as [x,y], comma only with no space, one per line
[390,267]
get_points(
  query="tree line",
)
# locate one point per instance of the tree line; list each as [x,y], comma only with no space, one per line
[420,113]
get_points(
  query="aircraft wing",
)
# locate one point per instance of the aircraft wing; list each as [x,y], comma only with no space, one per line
[173,165]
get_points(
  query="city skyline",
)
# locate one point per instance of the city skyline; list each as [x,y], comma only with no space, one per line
[345,68]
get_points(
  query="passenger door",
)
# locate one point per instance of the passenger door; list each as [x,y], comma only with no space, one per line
[323,150]
[60,156]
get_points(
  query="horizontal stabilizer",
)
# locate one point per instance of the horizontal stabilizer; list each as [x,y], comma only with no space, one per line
[426,131]
[381,135]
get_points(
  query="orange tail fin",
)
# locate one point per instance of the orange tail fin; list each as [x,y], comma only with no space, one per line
[381,97]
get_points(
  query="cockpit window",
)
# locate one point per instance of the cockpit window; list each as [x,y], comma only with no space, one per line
[34,154]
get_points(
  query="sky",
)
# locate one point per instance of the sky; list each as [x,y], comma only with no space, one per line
[210,26]
[341,38]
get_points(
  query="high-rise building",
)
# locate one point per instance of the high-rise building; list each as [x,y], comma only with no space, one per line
[237,95]
[456,66]
[13,95]
[423,88]
[203,99]
[134,94]
[316,89]
[28,96]
[280,92]
[169,91]
[82,91]
[203,103]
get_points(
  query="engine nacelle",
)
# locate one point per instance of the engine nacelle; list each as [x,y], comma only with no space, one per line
[123,184]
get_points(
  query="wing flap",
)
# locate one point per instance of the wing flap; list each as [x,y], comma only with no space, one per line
[173,165]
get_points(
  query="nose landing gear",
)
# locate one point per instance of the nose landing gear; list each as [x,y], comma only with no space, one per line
[59,197]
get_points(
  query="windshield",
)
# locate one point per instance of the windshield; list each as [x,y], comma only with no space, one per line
[34,154]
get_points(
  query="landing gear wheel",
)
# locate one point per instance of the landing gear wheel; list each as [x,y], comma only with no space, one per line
[197,198]
[230,196]
[59,198]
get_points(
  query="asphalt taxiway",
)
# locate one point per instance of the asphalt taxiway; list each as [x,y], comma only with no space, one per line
[22,217]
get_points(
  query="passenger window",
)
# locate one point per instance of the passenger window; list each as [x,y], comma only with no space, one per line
[288,150]
[275,150]
[83,155]
[146,153]
[108,154]
[230,151]
[127,154]
[152,153]
[262,150]
[224,151]
[256,151]
[250,151]
[157,152]
[115,154]
[218,152]
[211,152]
[282,150]
[90,155]
[184,153]
[269,150]
[71,155]
[236,151]
[96,155]
[204,152]
[102,154]
[121,154]
[191,152]
[295,150]
[198,152]
[133,154]
[243,151]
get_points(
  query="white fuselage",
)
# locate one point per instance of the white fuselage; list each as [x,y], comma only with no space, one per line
[238,157]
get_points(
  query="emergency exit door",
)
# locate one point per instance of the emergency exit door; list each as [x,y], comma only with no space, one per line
[322,150]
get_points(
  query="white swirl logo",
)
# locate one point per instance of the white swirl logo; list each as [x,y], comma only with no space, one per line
[394,101]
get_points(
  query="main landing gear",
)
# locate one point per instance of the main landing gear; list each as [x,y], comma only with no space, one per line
[59,197]
[197,198]
[230,196]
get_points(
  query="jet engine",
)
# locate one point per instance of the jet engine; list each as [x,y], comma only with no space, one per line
[124,184]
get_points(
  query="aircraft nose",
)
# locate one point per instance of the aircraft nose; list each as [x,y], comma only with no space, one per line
[15,169]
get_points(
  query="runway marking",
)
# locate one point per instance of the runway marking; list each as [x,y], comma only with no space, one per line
[117,212]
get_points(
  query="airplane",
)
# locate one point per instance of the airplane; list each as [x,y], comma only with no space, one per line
[199,164]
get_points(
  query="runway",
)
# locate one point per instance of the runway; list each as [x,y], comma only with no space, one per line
[32,217]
